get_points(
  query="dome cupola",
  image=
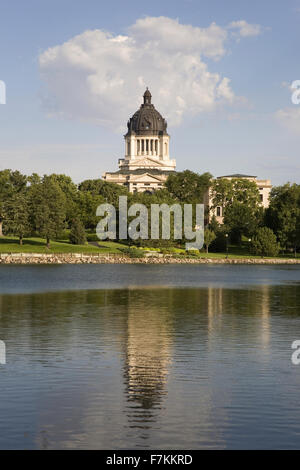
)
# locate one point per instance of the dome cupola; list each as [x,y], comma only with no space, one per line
[147,120]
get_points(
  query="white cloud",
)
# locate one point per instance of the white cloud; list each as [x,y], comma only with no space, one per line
[99,77]
[289,118]
[245,29]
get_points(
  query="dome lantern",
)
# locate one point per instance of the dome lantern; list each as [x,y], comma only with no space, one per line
[147,97]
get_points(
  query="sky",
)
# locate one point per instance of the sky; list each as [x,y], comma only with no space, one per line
[220,72]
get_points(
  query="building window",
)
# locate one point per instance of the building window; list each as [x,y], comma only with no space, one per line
[128,148]
[218,211]
[261,197]
[147,184]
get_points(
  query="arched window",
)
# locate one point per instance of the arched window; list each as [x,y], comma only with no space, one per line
[128,148]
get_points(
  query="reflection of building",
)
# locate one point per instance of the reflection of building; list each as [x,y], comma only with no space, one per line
[147,163]
[265,315]
[147,355]
[264,188]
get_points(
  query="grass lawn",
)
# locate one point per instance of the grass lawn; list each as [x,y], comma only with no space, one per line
[38,245]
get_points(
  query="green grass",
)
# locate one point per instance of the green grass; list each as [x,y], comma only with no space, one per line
[38,245]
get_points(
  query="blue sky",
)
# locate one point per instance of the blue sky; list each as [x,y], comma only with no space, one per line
[237,115]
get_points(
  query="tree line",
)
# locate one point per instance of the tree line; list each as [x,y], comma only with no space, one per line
[47,205]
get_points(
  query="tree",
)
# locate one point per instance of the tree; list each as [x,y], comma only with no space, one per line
[226,191]
[187,186]
[70,191]
[242,219]
[48,208]
[86,204]
[264,242]
[77,233]
[11,182]
[110,192]
[16,215]
[214,225]
[159,197]
[240,200]
[283,215]
[209,237]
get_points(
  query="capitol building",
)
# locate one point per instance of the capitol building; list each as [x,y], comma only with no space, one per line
[147,163]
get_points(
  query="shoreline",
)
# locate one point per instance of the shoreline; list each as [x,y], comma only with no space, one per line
[78,258]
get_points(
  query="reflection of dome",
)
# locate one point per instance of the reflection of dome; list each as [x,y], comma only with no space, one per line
[147,120]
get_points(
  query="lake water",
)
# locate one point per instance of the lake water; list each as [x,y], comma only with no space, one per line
[149,357]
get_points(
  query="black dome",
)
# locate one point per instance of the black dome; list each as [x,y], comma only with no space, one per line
[147,120]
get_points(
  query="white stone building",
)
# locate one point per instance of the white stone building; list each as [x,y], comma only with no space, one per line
[264,187]
[147,162]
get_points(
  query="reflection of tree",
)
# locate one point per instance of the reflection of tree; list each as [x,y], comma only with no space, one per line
[227,307]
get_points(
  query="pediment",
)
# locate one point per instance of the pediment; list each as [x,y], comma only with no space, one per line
[146,178]
[146,161]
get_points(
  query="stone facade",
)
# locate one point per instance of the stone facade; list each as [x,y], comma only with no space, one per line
[147,163]
[264,188]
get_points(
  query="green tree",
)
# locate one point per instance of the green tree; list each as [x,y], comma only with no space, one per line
[264,242]
[226,191]
[110,192]
[86,204]
[77,232]
[48,208]
[242,219]
[283,215]
[240,200]
[11,182]
[160,197]
[70,191]
[209,237]
[187,186]
[17,215]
